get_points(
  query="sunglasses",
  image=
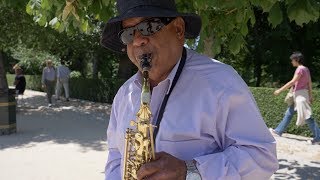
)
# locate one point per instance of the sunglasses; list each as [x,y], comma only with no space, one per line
[147,27]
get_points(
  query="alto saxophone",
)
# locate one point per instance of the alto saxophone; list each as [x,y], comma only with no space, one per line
[139,144]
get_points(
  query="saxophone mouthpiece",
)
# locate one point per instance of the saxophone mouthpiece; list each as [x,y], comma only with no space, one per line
[145,62]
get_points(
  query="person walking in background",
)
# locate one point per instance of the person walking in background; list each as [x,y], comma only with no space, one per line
[48,80]
[302,89]
[63,75]
[20,83]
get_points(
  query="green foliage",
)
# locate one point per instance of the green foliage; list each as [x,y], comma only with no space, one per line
[275,14]
[32,62]
[273,108]
[303,11]
[75,74]
[223,21]
[98,90]
[71,15]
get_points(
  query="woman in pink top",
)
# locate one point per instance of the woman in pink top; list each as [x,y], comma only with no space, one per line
[302,89]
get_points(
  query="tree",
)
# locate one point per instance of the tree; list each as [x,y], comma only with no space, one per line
[3,44]
[3,79]
[223,21]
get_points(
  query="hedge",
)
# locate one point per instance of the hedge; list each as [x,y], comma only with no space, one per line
[98,90]
[271,107]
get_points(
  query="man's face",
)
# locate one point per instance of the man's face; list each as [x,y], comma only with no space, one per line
[49,64]
[165,47]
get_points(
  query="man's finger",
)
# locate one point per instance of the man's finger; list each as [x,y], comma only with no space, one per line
[159,155]
[148,169]
[159,176]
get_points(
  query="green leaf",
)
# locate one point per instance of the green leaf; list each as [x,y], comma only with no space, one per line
[61,28]
[29,9]
[275,15]
[35,4]
[240,16]
[42,21]
[46,4]
[106,2]
[301,11]
[236,43]
[85,26]
[265,4]
[217,46]
[244,29]
[83,2]
[106,13]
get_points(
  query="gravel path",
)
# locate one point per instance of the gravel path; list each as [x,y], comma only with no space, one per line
[297,159]
[67,142]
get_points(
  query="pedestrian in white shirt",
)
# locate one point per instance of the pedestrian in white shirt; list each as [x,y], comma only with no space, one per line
[211,127]
[63,75]
[48,80]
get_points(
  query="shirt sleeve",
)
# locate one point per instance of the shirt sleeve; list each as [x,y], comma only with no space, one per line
[58,72]
[299,71]
[112,168]
[246,148]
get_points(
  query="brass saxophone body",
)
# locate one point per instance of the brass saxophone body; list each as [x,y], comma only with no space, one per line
[139,144]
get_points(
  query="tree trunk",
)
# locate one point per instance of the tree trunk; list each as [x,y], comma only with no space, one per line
[3,78]
[208,43]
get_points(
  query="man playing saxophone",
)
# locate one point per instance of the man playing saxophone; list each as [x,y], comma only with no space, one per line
[206,124]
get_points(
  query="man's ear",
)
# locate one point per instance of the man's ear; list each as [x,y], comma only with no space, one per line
[179,27]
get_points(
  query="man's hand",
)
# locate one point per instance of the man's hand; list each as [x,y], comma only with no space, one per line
[165,167]
[43,86]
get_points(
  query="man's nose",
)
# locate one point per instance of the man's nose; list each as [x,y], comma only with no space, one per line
[139,39]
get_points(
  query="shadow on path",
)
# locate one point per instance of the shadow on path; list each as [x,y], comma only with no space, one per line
[296,170]
[78,122]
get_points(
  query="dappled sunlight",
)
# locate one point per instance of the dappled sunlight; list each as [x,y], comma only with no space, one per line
[296,170]
[77,122]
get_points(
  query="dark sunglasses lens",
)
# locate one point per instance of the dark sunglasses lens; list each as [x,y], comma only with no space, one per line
[150,27]
[126,35]
[146,28]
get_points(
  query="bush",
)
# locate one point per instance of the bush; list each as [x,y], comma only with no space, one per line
[273,108]
[99,90]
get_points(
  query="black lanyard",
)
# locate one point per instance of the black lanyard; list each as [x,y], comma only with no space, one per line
[165,99]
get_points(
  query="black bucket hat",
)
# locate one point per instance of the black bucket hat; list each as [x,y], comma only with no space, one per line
[145,8]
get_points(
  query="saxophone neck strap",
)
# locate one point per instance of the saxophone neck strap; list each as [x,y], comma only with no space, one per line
[165,99]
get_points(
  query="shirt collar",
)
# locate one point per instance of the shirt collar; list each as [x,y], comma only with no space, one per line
[169,79]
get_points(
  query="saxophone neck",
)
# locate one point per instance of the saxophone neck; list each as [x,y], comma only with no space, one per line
[146,93]
[145,62]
